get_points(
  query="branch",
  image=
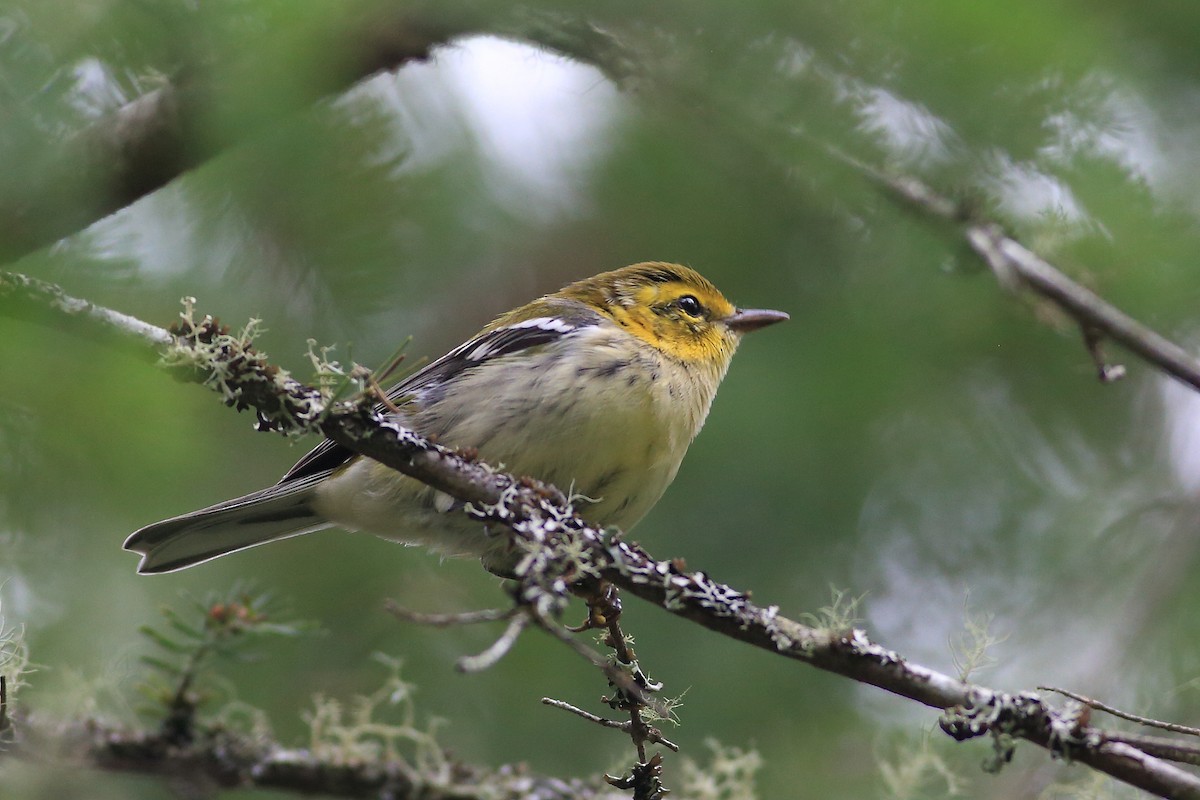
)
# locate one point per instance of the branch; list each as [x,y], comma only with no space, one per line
[627,726]
[1016,266]
[156,138]
[23,297]
[145,144]
[560,549]
[226,759]
[152,140]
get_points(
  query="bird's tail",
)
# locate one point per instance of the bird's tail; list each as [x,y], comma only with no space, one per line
[274,513]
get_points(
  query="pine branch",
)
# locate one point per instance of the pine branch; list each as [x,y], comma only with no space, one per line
[157,137]
[154,139]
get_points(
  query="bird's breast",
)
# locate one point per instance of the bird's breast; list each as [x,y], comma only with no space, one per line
[604,423]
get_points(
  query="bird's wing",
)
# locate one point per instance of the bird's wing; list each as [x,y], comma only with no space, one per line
[425,384]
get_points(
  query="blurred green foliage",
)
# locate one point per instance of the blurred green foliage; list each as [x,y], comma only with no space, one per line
[914,434]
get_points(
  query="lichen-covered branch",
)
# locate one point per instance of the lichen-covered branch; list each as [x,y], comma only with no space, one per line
[560,550]
[225,759]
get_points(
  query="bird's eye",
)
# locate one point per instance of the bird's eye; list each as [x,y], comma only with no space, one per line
[689,305]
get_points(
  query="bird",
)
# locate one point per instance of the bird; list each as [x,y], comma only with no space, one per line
[598,389]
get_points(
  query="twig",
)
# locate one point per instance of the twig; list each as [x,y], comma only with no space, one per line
[1088,308]
[618,677]
[1116,712]
[25,297]
[654,734]
[604,611]
[1015,265]
[498,649]
[4,720]
[1158,746]
[449,620]
[1093,340]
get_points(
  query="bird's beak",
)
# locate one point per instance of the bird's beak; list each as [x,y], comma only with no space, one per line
[751,319]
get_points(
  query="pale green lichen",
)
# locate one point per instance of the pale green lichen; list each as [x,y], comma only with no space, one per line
[211,356]
[229,363]
[246,719]
[728,775]
[379,727]
[918,772]
[332,379]
[841,613]
[969,649]
[14,656]
[664,710]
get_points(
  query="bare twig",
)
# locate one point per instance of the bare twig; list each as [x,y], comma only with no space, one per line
[498,649]
[24,297]
[654,735]
[1158,746]
[1116,712]
[4,720]
[1089,309]
[450,620]
[617,676]
[1016,266]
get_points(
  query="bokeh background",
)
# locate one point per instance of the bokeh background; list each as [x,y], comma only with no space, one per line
[916,435]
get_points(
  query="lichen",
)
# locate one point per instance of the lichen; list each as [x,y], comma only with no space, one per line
[360,733]
[14,656]
[728,775]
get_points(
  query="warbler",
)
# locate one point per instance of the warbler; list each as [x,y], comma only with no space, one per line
[598,389]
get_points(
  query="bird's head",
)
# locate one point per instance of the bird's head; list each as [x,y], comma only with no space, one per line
[674,308]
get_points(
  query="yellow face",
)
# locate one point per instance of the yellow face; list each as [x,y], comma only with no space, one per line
[674,308]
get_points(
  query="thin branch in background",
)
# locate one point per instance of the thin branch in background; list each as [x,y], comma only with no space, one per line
[518,621]
[1096,317]
[145,144]
[227,759]
[449,620]
[25,297]
[1016,267]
